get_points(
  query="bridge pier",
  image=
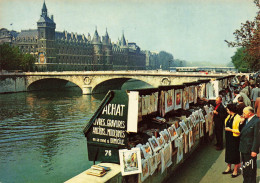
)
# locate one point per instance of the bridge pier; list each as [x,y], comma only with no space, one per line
[87,90]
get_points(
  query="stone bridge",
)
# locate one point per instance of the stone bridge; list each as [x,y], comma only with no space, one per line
[89,81]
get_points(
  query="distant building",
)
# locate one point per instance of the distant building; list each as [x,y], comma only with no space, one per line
[63,51]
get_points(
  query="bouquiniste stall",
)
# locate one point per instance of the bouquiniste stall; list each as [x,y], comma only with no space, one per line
[150,130]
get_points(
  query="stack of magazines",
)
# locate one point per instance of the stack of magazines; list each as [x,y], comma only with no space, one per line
[97,170]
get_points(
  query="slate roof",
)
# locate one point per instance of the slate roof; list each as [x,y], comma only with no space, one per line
[31,33]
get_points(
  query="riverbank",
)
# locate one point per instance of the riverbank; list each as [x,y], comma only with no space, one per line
[205,165]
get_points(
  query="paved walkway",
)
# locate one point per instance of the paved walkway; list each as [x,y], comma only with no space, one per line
[206,166]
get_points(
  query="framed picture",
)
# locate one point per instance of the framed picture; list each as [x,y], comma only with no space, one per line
[184,127]
[178,99]
[154,144]
[145,169]
[196,115]
[192,119]
[165,135]
[185,98]
[167,154]
[191,94]
[173,133]
[162,104]
[142,153]
[158,157]
[169,100]
[160,141]
[147,150]
[190,122]
[153,164]
[179,143]
[130,161]
[202,118]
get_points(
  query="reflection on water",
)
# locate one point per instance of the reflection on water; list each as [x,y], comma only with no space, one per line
[41,134]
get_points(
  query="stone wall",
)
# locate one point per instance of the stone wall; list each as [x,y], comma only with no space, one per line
[10,84]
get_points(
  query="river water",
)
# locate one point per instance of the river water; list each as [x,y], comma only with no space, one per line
[41,135]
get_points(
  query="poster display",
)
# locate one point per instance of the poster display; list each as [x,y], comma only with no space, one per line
[130,161]
[169,100]
[145,170]
[146,150]
[184,127]
[178,99]
[186,98]
[191,94]
[153,164]
[172,132]
[179,144]
[154,144]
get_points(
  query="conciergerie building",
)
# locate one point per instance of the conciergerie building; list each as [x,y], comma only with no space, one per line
[63,51]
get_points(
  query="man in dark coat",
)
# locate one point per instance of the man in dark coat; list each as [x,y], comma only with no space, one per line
[249,144]
[240,105]
[219,117]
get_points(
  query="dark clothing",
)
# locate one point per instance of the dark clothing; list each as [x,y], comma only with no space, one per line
[250,136]
[240,108]
[249,168]
[219,120]
[232,155]
[249,142]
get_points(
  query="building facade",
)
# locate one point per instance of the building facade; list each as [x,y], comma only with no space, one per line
[63,51]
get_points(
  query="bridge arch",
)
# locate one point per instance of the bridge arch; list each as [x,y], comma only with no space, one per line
[50,83]
[116,84]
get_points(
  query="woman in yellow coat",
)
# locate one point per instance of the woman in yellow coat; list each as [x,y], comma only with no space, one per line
[232,155]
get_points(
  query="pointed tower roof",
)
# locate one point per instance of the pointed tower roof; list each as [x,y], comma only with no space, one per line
[44,9]
[123,42]
[105,39]
[44,16]
[96,38]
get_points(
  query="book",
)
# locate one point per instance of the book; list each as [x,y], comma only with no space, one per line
[95,172]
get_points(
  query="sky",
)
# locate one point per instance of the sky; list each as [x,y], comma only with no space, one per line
[191,30]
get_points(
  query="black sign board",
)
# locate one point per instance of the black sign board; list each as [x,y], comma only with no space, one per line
[106,130]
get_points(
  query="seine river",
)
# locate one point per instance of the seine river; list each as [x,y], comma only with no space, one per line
[41,135]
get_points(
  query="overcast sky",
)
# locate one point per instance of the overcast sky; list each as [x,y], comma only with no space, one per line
[192,30]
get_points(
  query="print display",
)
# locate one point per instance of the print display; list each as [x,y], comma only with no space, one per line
[130,161]
[178,99]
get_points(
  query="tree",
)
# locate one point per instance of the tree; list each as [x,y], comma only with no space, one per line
[12,59]
[165,60]
[27,62]
[248,37]
[239,60]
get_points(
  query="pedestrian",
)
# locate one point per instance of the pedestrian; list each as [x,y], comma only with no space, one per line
[257,107]
[249,144]
[240,105]
[232,154]
[246,88]
[245,98]
[219,116]
[255,92]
